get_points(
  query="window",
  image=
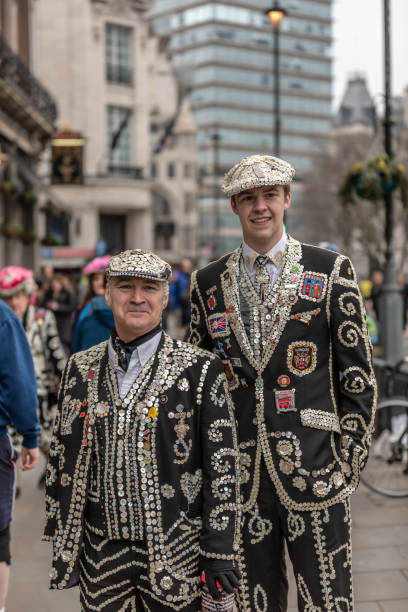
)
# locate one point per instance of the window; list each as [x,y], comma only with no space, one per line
[118,133]
[171,170]
[153,170]
[57,227]
[188,171]
[118,54]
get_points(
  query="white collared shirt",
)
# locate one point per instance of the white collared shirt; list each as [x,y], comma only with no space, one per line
[249,256]
[138,360]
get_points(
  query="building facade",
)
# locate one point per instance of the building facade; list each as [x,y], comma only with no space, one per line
[27,120]
[102,65]
[223,55]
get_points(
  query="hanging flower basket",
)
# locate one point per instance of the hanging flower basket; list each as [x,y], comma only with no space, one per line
[11,230]
[48,207]
[9,188]
[28,236]
[373,180]
[28,197]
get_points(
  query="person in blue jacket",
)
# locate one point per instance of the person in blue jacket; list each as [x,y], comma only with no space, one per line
[18,407]
[94,325]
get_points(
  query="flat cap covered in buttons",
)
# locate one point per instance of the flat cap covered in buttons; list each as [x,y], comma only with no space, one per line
[257,171]
[142,264]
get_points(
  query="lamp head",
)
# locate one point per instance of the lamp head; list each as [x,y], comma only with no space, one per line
[275,14]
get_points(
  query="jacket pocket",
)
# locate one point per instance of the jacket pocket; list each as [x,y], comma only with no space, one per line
[320,419]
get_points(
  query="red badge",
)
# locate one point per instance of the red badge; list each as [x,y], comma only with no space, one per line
[91,374]
[212,302]
[283,380]
[285,400]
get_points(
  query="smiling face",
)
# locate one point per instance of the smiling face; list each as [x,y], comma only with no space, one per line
[260,212]
[137,305]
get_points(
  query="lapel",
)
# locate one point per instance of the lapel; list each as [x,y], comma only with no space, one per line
[282,298]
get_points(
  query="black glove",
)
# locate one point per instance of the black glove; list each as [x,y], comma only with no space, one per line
[225,573]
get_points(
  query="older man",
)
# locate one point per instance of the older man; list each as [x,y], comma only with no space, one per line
[287,320]
[142,484]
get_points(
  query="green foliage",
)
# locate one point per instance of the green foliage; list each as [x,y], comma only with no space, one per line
[51,240]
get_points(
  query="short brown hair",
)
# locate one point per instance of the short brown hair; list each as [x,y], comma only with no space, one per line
[286,192]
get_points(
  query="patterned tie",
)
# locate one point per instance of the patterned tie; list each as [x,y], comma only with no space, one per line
[262,278]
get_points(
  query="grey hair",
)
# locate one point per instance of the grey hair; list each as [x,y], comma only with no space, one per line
[166,286]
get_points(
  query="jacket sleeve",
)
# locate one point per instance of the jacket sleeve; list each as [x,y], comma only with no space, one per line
[352,353]
[197,332]
[56,454]
[17,381]
[221,498]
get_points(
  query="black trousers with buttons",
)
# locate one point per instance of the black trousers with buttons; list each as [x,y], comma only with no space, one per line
[113,578]
[319,548]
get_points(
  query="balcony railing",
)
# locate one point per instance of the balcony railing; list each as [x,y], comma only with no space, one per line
[13,70]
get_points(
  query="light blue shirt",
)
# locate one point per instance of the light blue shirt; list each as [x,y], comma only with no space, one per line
[138,360]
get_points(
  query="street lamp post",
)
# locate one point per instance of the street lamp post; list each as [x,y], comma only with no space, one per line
[390,301]
[276,14]
[216,142]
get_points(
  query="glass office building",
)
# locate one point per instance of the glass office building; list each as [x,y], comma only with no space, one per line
[222,53]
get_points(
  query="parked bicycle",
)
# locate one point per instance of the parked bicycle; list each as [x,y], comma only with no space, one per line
[386,471]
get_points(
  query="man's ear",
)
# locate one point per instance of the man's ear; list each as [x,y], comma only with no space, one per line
[165,300]
[288,200]
[107,295]
[234,205]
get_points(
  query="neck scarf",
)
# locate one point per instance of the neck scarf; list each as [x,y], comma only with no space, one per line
[124,350]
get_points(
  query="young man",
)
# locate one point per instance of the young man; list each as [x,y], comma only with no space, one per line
[287,321]
[142,483]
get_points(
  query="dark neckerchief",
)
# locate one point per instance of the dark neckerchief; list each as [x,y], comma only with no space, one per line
[124,350]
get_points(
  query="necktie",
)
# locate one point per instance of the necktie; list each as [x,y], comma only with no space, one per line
[262,278]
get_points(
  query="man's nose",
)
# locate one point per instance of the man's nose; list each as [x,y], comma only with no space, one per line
[260,202]
[137,295]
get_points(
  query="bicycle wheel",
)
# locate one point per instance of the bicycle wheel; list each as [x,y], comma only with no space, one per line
[386,470]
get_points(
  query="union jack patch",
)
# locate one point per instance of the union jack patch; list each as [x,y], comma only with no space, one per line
[218,325]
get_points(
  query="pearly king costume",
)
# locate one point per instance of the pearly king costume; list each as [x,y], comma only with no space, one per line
[298,361]
[142,478]
[46,348]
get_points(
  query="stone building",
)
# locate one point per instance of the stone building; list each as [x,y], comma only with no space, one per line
[111,84]
[27,117]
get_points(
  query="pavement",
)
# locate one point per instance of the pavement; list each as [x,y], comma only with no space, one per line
[380,555]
